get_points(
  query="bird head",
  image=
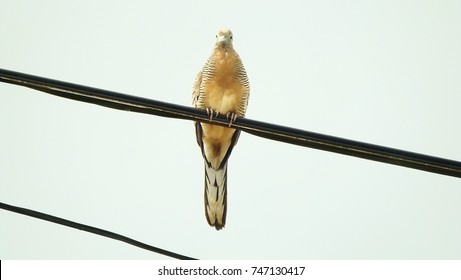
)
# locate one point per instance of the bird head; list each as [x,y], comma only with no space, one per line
[224,38]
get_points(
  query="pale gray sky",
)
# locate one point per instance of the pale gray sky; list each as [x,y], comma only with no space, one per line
[383,72]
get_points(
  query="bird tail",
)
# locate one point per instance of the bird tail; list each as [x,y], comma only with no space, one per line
[216,195]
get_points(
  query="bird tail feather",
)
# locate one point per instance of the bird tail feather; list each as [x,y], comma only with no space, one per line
[216,195]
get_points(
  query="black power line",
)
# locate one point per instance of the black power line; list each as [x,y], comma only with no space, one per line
[270,131]
[91,229]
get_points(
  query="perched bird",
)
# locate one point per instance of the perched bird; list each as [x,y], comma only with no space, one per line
[221,87]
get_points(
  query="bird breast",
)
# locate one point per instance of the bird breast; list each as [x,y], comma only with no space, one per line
[224,91]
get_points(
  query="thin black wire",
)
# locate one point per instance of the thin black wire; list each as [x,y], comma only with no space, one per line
[266,130]
[102,232]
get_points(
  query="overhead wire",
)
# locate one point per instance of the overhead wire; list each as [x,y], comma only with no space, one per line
[275,132]
[94,230]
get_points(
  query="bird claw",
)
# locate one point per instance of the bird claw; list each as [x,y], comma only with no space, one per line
[212,113]
[231,117]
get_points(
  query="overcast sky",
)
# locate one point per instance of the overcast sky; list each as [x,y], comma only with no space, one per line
[382,72]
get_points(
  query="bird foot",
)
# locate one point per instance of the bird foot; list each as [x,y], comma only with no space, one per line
[231,117]
[212,113]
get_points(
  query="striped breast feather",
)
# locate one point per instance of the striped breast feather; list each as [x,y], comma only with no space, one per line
[242,78]
[209,68]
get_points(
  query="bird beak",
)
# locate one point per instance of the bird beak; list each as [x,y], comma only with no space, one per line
[221,38]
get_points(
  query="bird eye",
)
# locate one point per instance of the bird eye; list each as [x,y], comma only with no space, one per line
[231,37]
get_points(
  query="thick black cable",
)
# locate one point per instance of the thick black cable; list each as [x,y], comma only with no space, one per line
[91,229]
[266,130]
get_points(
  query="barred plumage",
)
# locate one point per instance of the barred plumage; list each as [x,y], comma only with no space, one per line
[221,87]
